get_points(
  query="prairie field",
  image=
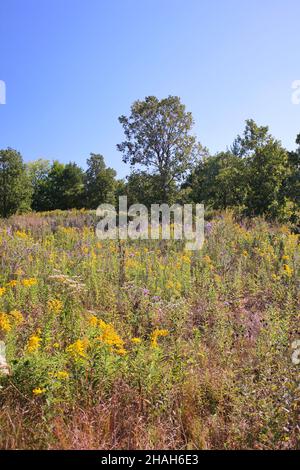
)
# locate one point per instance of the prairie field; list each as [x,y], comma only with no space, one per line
[143,345]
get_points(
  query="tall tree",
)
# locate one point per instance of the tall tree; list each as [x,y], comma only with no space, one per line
[72,187]
[51,190]
[100,182]
[38,173]
[158,138]
[266,170]
[293,182]
[15,187]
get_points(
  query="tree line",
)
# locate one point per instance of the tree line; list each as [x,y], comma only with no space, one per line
[255,176]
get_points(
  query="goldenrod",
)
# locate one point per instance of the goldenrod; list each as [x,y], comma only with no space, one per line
[33,344]
[4,322]
[155,335]
[136,340]
[17,317]
[2,291]
[78,350]
[38,391]
[29,282]
[55,306]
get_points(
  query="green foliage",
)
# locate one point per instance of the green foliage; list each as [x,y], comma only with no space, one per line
[158,138]
[255,177]
[100,183]
[266,170]
[219,181]
[15,187]
[56,186]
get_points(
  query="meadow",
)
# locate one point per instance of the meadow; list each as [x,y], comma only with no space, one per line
[143,345]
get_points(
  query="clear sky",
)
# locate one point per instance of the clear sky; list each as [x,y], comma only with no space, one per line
[71,67]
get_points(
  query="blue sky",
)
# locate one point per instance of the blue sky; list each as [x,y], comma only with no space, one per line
[71,67]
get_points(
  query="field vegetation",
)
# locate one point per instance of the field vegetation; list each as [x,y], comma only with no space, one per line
[139,344]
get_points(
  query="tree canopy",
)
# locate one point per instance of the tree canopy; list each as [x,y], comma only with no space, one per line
[158,138]
[256,176]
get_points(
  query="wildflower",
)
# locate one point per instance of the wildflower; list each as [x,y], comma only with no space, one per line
[56,345]
[12,283]
[186,259]
[93,321]
[21,234]
[170,285]
[136,340]
[287,270]
[29,282]
[33,344]
[110,337]
[17,317]
[38,391]
[155,335]
[2,291]
[121,351]
[64,375]
[102,324]
[78,350]
[4,322]
[285,258]
[245,254]
[55,306]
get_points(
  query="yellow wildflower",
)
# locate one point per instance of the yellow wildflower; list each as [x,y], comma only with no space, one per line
[186,259]
[155,335]
[56,345]
[17,317]
[12,283]
[136,340]
[2,291]
[110,337]
[38,391]
[4,322]
[29,282]
[78,350]
[170,285]
[64,375]
[21,234]
[121,351]
[93,321]
[55,306]
[287,270]
[33,344]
